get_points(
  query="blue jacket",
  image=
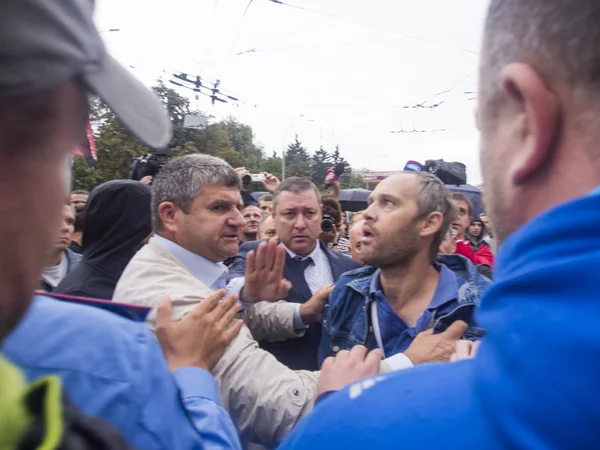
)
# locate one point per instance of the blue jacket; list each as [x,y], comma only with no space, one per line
[347,320]
[299,353]
[534,382]
[114,369]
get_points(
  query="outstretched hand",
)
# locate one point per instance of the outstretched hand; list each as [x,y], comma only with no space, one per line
[428,347]
[201,337]
[264,274]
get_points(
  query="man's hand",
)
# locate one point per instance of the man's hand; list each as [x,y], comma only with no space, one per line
[312,310]
[448,245]
[429,347]
[241,171]
[200,338]
[348,367]
[146,180]
[271,182]
[465,350]
[264,274]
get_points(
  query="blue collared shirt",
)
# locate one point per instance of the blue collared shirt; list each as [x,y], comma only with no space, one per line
[114,369]
[396,335]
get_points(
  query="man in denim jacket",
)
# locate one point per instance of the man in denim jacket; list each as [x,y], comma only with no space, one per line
[407,301]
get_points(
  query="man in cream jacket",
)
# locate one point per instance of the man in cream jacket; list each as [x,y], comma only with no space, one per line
[196,221]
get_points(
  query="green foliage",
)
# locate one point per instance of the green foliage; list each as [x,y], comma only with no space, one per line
[228,139]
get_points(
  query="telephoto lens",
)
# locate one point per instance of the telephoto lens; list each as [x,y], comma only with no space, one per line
[327,224]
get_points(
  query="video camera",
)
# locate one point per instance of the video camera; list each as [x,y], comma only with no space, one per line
[149,165]
[252,178]
[454,173]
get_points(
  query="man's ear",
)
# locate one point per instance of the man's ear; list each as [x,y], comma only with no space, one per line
[431,224]
[168,212]
[538,113]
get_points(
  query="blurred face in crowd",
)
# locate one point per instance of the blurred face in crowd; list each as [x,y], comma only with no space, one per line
[267,228]
[463,217]
[475,228]
[266,207]
[486,221]
[392,231]
[356,233]
[298,221]
[65,233]
[252,216]
[210,229]
[34,171]
[78,200]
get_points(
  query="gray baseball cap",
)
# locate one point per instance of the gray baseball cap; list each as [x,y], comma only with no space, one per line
[45,42]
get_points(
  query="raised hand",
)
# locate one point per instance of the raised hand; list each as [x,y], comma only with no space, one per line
[264,274]
[428,347]
[270,182]
[200,338]
[349,366]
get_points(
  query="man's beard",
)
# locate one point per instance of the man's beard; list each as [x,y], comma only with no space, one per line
[398,251]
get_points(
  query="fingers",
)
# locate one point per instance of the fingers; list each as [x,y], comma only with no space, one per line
[456,330]
[227,310]
[208,304]
[278,259]
[163,315]
[475,348]
[373,360]
[230,333]
[463,350]
[326,290]
[250,264]
[358,353]
[284,289]
[260,256]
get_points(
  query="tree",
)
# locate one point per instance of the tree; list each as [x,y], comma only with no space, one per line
[321,161]
[272,165]
[297,161]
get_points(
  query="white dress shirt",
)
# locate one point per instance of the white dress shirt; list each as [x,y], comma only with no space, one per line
[318,274]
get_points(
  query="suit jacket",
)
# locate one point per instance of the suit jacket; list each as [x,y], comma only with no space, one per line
[299,353]
[265,398]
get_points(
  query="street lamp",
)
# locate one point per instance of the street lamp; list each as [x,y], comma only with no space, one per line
[292,124]
[111,30]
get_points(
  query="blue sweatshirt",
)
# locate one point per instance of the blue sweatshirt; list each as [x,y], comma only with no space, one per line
[536,380]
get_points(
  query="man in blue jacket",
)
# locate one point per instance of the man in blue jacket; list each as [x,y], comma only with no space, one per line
[405,291]
[534,382]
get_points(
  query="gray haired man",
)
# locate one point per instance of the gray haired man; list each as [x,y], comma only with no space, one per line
[196,202]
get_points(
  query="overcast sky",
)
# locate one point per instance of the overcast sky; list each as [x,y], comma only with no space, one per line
[348,69]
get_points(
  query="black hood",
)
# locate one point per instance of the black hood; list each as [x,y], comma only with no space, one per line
[117,220]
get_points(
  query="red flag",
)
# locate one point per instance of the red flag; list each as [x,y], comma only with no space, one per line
[87,148]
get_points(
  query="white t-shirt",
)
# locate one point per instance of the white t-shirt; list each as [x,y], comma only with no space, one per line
[54,275]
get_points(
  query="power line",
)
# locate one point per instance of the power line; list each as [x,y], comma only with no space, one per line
[376,27]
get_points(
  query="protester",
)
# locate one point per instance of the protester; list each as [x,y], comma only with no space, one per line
[489,232]
[533,381]
[50,58]
[483,255]
[265,203]
[267,228]
[196,222]
[356,233]
[405,291]
[476,235]
[62,260]
[309,265]
[119,222]
[252,215]
[78,198]
[77,236]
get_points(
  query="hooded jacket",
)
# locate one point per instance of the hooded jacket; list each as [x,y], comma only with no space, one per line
[534,381]
[118,219]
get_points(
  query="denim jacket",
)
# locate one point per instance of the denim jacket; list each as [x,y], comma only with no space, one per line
[347,318]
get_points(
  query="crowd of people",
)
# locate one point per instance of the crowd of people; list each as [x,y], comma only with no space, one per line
[286,322]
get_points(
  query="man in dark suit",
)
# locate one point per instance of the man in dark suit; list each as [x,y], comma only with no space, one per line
[309,266]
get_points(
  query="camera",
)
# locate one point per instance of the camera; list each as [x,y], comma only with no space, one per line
[148,165]
[253,178]
[327,223]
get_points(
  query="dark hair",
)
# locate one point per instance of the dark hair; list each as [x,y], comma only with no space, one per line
[461,197]
[265,198]
[333,208]
[295,185]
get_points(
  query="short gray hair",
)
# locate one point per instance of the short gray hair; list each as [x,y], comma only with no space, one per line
[181,180]
[558,38]
[433,196]
[295,185]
